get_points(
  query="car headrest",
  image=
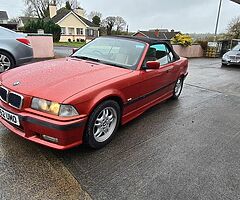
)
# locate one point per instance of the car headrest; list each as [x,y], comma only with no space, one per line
[160,54]
[151,52]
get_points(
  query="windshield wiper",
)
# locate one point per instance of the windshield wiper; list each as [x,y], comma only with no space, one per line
[100,61]
[113,64]
[86,58]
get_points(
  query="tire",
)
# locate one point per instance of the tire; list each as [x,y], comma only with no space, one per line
[224,65]
[178,88]
[101,127]
[6,61]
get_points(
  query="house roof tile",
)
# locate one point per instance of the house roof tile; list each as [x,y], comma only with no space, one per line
[161,35]
[61,13]
[26,19]
[3,15]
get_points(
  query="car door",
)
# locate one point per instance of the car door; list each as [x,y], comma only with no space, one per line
[158,83]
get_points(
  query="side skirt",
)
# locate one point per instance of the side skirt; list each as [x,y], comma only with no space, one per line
[135,113]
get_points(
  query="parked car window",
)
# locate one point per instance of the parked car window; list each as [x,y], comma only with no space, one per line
[114,51]
[160,53]
[236,48]
[4,33]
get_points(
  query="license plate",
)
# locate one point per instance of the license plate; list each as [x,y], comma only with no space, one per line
[14,119]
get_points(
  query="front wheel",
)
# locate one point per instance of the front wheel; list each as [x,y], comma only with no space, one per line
[178,88]
[103,124]
[6,61]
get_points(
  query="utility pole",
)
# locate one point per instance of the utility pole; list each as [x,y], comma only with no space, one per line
[217,22]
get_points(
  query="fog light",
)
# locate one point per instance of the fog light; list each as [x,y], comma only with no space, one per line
[50,139]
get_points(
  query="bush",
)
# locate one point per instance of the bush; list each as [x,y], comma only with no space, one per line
[49,27]
[204,44]
[181,39]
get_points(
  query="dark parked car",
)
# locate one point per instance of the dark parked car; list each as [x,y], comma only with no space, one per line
[232,57]
[15,49]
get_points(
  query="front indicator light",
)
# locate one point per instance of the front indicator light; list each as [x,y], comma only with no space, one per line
[67,111]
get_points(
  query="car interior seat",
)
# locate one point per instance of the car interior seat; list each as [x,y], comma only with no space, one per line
[160,54]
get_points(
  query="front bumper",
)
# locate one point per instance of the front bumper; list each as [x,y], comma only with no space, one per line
[230,62]
[34,128]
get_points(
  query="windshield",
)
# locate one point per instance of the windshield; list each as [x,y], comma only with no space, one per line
[236,48]
[118,52]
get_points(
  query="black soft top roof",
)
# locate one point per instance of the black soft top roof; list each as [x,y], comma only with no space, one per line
[142,39]
[150,41]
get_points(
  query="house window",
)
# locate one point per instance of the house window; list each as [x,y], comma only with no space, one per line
[90,32]
[79,31]
[71,31]
[63,30]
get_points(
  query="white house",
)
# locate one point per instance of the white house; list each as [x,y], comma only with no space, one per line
[73,25]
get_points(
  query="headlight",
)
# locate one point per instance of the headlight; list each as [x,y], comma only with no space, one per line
[53,108]
[225,57]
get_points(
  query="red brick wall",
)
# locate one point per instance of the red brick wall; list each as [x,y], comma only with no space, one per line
[139,35]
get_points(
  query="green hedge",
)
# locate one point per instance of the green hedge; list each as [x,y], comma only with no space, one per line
[49,27]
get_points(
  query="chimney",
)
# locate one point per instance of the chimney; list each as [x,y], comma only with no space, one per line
[79,11]
[52,10]
[156,32]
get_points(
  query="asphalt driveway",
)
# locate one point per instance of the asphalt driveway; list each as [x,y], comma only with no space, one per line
[185,149]
[60,51]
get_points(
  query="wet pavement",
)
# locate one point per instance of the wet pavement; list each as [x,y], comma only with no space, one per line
[185,149]
[60,51]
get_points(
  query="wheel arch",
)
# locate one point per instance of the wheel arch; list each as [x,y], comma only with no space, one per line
[113,97]
[6,51]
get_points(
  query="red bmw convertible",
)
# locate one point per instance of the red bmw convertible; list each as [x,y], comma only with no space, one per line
[84,98]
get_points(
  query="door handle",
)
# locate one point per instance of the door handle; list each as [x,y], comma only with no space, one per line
[168,70]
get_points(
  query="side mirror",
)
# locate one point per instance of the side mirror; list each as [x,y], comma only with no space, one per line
[153,65]
[74,50]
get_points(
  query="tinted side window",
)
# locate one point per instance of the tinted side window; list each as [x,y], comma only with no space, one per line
[160,53]
[6,33]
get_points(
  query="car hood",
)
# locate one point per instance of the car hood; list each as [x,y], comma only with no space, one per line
[233,53]
[59,79]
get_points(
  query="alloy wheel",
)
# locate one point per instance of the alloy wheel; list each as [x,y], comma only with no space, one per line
[178,87]
[5,63]
[105,124]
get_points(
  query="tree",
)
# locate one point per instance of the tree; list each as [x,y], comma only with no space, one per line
[32,26]
[109,23]
[120,24]
[93,14]
[68,6]
[39,8]
[14,20]
[234,28]
[96,20]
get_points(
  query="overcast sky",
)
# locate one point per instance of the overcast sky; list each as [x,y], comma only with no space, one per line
[187,16]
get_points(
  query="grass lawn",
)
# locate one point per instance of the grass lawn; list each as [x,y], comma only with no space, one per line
[69,44]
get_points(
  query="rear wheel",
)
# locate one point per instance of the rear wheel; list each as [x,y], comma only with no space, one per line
[6,61]
[103,124]
[178,88]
